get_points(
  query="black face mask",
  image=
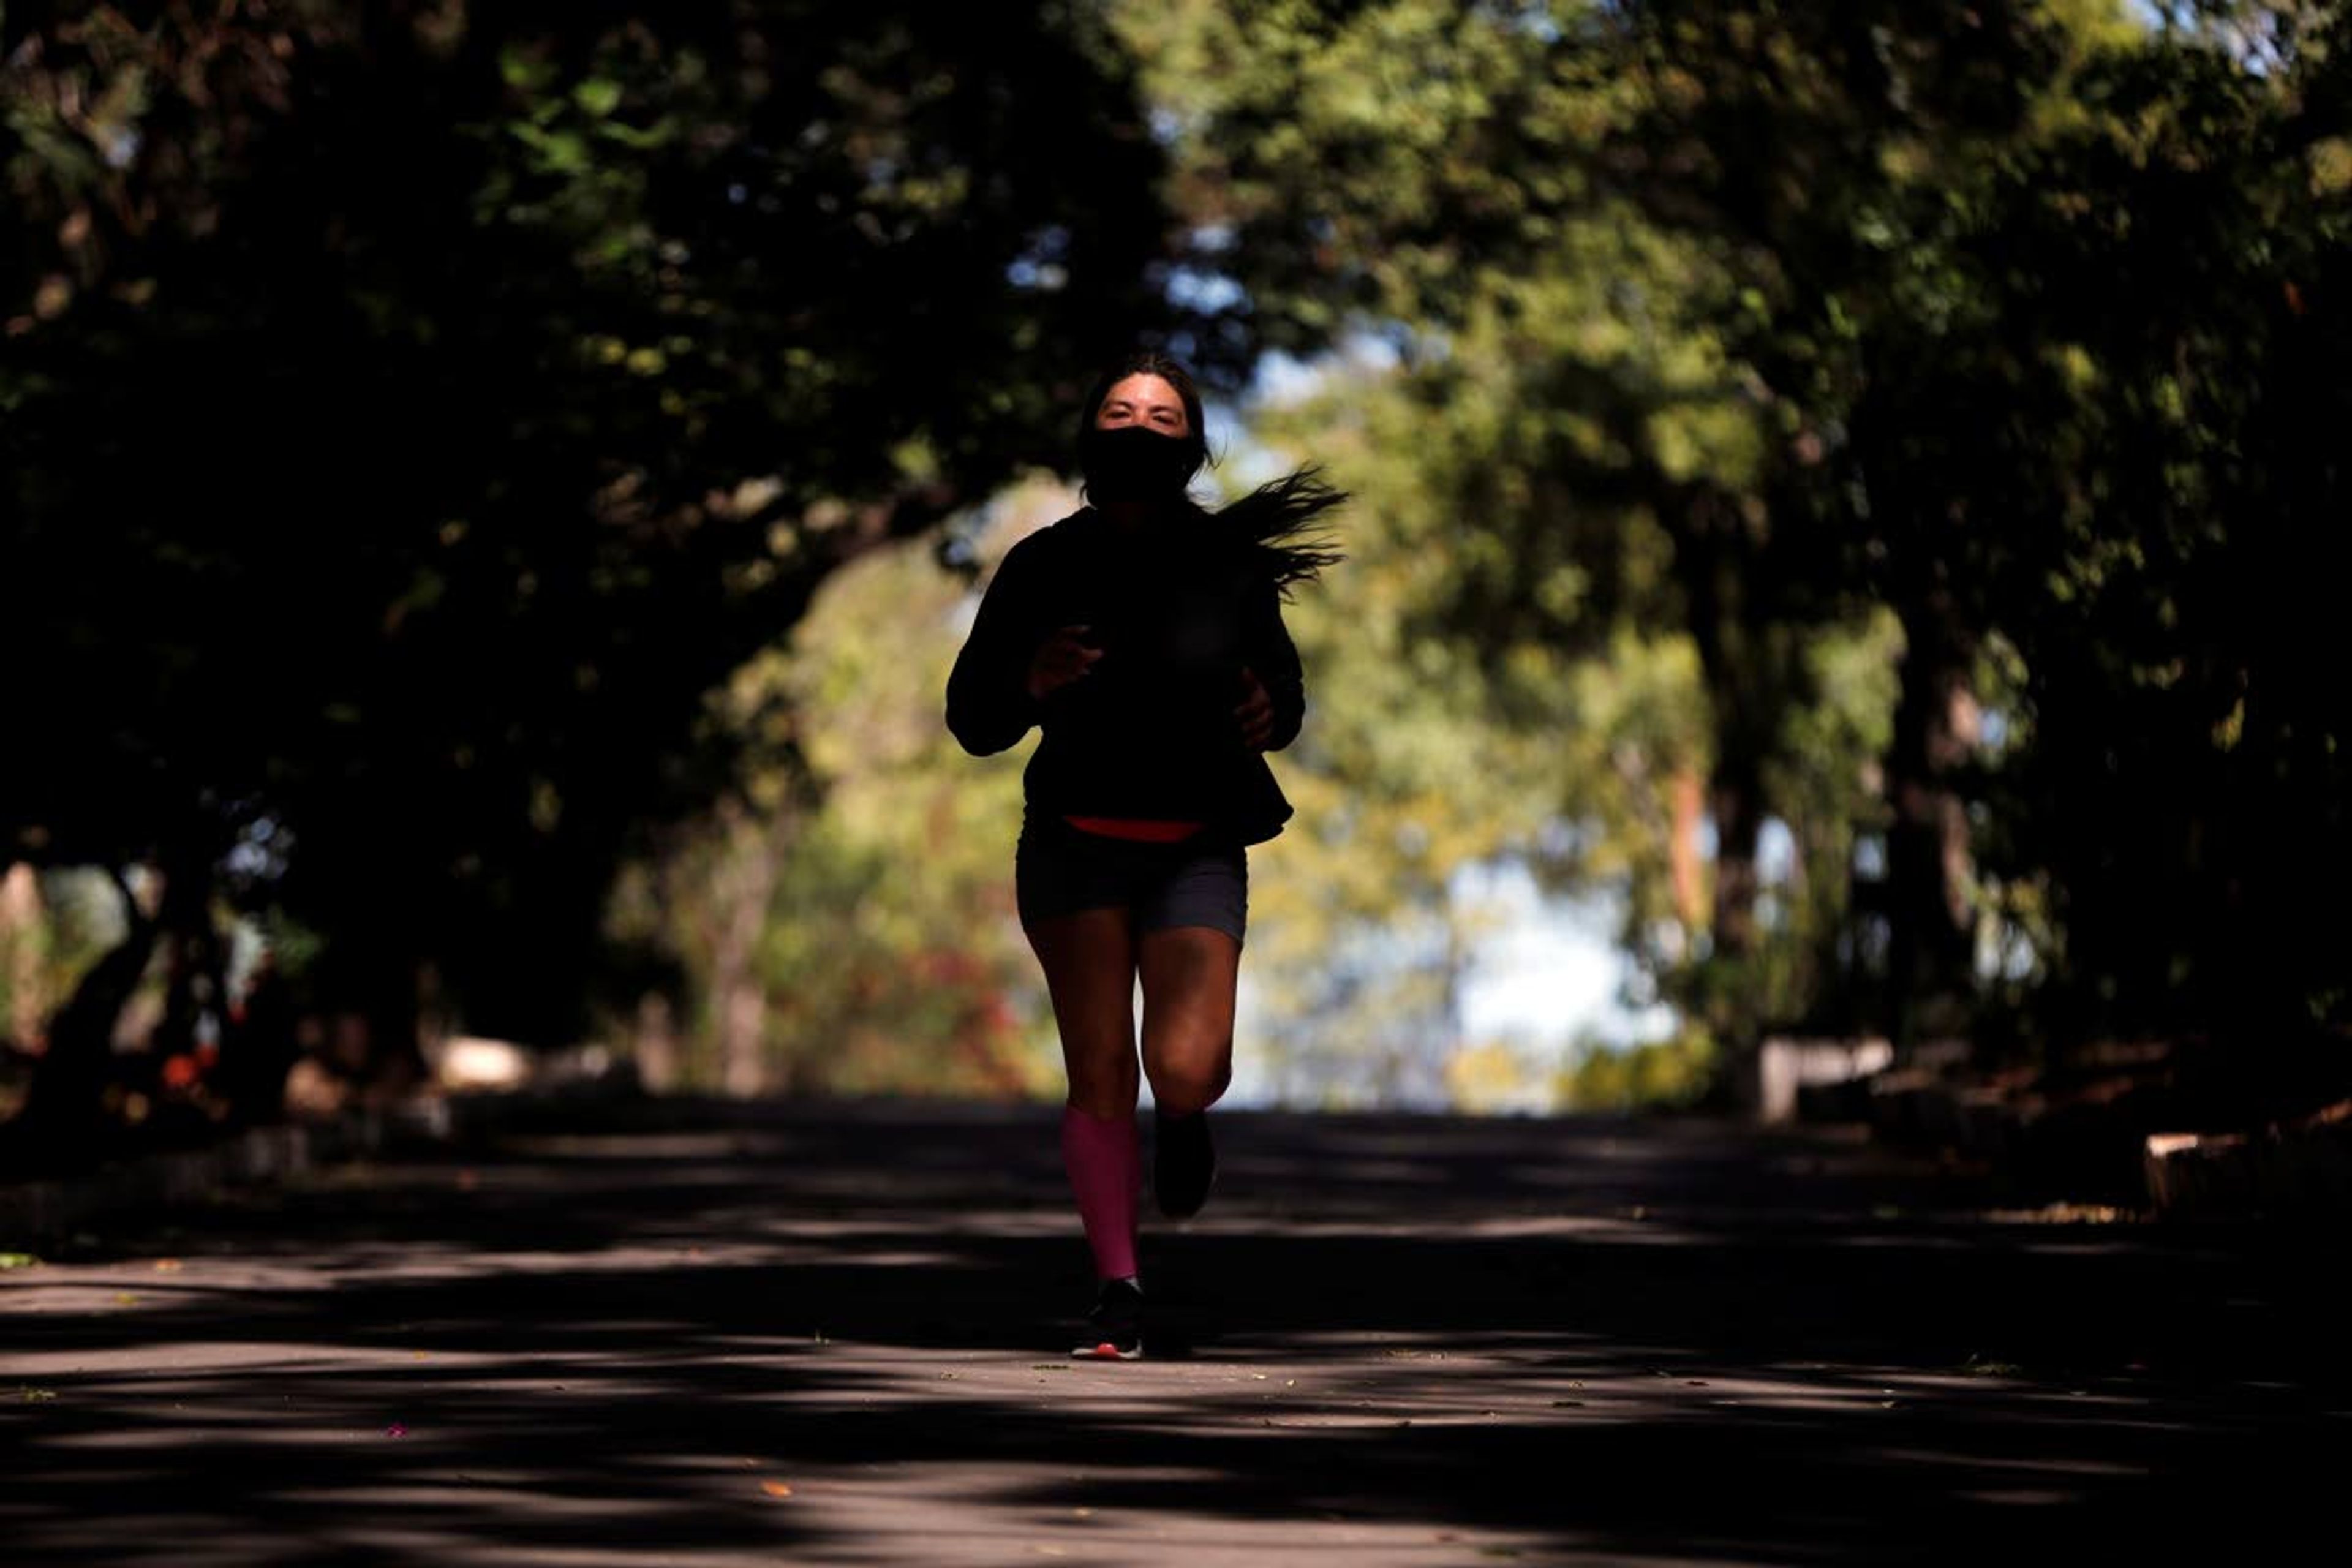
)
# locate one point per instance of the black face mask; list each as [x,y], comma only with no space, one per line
[1134,462]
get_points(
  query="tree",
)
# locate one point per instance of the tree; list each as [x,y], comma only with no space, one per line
[1996,328]
[410,414]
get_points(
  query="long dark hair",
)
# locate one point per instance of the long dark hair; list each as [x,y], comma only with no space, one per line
[1284,524]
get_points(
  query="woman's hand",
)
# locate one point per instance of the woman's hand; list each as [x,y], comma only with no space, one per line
[1060,660]
[1255,711]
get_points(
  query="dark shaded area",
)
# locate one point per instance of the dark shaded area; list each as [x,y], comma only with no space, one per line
[411,412]
[1678,1340]
[2040,309]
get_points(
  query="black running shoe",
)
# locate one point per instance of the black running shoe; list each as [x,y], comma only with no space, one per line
[1183,1163]
[1115,1327]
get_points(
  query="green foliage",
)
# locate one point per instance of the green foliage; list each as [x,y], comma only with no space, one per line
[424,430]
[848,925]
[1663,1076]
[1834,349]
[412,413]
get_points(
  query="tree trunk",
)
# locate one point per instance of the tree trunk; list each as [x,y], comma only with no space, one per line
[1744,694]
[1929,952]
[738,996]
[1735,798]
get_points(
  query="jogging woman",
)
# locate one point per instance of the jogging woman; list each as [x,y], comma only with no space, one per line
[1143,636]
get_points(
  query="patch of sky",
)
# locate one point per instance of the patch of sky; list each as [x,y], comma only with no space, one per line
[1870,856]
[1213,239]
[1552,974]
[260,851]
[1537,20]
[1202,290]
[1040,266]
[1283,379]
[1549,978]
[2261,43]
[2004,952]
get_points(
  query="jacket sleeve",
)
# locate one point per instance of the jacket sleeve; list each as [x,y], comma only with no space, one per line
[1273,658]
[989,705]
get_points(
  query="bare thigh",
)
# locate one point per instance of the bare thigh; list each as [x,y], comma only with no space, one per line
[1189,973]
[1089,961]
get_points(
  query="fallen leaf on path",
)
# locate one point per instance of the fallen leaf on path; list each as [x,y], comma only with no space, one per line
[168,1266]
[775,1488]
[125,1299]
[1978,1368]
[18,1260]
[35,1396]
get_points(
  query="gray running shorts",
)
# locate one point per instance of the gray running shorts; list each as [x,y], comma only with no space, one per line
[1203,880]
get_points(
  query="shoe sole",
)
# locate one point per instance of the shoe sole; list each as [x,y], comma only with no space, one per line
[1105,1351]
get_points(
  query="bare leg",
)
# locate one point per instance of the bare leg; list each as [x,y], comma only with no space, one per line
[1089,963]
[1189,973]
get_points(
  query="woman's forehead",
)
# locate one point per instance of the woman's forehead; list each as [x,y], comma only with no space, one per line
[1144,389]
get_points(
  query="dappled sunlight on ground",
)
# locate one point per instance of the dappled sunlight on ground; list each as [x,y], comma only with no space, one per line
[840,1336]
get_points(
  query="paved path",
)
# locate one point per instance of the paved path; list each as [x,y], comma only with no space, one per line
[795,1334]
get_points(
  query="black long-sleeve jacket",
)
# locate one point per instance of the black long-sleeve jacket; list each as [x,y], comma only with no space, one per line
[1148,731]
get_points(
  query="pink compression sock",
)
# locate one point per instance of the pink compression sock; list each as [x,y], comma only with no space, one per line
[1107,1174]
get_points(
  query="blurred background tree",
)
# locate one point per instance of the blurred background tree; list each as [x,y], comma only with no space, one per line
[412,411]
[1853,490]
[1906,366]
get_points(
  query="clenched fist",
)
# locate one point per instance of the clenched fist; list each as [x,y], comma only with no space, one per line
[1255,713]
[1060,659]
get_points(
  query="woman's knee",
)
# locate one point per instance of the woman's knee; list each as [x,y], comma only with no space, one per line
[1189,1080]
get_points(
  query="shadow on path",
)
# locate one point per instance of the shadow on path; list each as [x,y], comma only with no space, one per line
[836,1334]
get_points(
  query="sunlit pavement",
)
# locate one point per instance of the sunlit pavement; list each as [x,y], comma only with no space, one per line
[839,1335]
